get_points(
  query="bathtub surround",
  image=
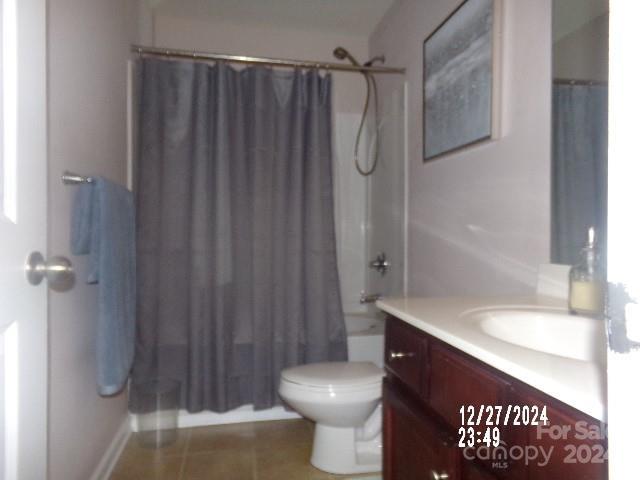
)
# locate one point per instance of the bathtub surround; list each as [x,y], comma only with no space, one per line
[236,242]
[350,200]
[386,192]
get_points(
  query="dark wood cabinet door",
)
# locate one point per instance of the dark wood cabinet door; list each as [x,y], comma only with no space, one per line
[457,382]
[405,352]
[414,446]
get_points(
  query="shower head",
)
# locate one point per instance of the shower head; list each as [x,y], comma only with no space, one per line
[341,53]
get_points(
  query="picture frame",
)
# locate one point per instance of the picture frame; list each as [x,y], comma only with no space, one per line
[461,72]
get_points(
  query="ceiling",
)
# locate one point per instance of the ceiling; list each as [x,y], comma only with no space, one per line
[358,17]
[570,15]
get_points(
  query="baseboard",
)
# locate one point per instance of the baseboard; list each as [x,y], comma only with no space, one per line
[242,414]
[112,454]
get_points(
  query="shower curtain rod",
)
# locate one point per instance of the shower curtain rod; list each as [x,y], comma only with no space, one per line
[273,62]
[570,81]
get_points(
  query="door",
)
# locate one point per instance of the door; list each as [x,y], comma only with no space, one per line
[623,245]
[23,228]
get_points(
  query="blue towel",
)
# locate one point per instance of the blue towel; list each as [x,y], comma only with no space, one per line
[103,226]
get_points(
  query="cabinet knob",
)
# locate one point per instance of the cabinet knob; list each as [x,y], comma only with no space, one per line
[398,355]
[439,476]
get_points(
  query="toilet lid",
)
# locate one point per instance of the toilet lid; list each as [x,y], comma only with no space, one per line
[334,374]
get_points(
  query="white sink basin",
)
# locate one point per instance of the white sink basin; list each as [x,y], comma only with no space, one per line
[545,330]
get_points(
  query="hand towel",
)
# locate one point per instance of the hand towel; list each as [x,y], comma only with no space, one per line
[103,226]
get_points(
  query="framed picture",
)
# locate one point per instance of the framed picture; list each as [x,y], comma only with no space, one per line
[460,79]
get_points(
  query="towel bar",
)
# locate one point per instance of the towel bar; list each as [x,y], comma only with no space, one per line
[69,178]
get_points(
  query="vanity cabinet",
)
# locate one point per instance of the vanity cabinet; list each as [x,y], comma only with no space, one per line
[427,383]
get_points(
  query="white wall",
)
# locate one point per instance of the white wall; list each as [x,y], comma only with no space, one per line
[479,219]
[88,48]
[348,97]
[211,36]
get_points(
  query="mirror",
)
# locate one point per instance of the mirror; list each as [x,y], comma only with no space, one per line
[579,126]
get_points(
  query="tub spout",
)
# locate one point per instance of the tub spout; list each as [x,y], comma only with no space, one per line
[369,298]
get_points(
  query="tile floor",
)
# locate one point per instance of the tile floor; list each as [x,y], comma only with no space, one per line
[278,450]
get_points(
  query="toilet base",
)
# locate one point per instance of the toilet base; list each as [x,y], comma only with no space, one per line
[336,450]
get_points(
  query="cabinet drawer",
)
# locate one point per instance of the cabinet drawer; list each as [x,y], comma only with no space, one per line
[405,352]
[456,381]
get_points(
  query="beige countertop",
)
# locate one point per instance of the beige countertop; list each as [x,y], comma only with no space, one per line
[579,384]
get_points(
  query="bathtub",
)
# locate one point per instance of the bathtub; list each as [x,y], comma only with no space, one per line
[365,337]
[365,342]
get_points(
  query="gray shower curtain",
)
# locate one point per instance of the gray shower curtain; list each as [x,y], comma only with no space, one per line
[579,169]
[236,251]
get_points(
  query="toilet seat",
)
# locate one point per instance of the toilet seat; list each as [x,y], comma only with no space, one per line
[334,376]
[329,394]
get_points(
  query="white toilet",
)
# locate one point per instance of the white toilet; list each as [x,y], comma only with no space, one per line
[343,398]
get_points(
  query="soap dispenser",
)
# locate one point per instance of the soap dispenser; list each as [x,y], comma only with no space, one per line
[586,280]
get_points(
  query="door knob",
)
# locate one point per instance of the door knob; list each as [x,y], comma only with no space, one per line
[57,270]
[439,476]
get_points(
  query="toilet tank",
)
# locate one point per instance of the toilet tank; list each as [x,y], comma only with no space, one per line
[365,337]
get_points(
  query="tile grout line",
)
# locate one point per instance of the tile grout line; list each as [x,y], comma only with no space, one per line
[244,441]
[255,461]
[184,455]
